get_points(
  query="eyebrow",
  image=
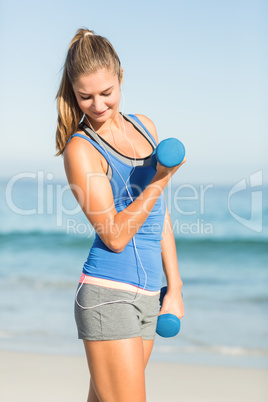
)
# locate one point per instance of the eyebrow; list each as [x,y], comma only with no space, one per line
[105,90]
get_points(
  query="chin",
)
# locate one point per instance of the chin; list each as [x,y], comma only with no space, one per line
[103,117]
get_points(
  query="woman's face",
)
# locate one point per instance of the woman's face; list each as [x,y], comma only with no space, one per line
[98,95]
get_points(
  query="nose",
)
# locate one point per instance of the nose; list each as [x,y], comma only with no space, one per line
[97,104]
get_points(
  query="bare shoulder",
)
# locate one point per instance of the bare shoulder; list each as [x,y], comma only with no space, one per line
[78,147]
[81,153]
[149,124]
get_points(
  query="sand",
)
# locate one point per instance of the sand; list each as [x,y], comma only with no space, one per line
[56,378]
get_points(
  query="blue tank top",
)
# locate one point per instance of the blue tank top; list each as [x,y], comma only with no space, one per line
[137,173]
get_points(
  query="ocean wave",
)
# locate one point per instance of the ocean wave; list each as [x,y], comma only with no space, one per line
[35,232]
[215,349]
[42,237]
[258,299]
[33,333]
[6,334]
[39,283]
[218,241]
[202,240]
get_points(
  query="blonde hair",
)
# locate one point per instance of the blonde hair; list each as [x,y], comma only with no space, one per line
[87,54]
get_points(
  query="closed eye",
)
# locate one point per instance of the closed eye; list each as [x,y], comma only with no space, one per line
[89,97]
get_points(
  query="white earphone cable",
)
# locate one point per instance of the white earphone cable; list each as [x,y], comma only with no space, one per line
[133,239]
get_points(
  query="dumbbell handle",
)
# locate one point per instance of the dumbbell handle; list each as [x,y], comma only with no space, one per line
[168,325]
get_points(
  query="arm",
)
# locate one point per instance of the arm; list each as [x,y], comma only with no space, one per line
[92,189]
[169,255]
[173,300]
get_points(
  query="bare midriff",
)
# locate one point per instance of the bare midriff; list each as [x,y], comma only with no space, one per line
[106,283]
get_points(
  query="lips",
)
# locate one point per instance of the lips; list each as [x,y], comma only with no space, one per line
[100,113]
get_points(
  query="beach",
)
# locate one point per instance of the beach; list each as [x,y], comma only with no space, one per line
[201,78]
[221,352]
[40,378]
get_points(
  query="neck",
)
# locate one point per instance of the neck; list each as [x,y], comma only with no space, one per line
[113,123]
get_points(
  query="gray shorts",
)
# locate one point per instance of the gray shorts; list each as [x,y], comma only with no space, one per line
[117,320]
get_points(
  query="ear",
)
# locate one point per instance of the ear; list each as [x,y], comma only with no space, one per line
[121,79]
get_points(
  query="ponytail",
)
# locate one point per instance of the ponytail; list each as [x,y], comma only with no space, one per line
[69,113]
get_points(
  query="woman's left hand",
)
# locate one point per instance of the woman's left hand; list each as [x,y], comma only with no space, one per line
[173,303]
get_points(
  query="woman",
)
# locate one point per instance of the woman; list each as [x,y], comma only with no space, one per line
[108,165]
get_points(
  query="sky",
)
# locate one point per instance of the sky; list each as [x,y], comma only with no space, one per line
[197,68]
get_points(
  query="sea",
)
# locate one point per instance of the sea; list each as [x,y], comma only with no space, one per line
[221,236]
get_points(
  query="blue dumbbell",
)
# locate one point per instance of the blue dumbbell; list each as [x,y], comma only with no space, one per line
[169,153]
[168,325]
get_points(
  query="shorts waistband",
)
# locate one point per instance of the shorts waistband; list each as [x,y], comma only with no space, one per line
[106,283]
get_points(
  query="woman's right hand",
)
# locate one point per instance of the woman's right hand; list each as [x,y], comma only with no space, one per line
[163,172]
